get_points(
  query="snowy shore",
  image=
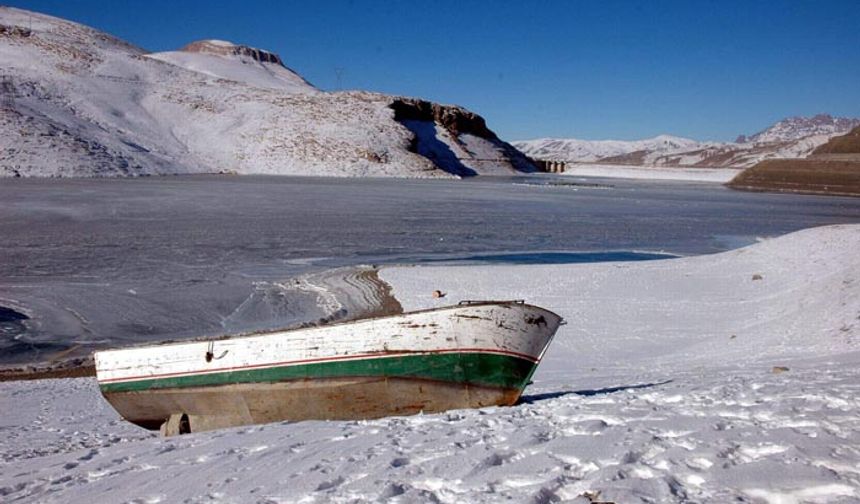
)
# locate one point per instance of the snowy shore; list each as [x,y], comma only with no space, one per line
[717,175]
[709,378]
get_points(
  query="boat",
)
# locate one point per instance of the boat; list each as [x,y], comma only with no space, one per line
[470,355]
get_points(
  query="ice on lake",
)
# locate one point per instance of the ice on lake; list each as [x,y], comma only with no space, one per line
[105,262]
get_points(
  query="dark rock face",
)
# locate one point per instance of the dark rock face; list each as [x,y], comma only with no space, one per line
[422,117]
[15,31]
[456,120]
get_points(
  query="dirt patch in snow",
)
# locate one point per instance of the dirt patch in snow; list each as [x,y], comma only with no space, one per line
[838,178]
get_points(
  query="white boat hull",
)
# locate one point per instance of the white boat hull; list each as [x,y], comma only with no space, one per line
[469,355]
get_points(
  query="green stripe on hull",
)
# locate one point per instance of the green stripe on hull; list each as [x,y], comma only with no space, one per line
[488,370]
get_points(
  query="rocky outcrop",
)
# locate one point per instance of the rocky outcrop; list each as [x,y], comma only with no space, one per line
[456,120]
[14,31]
[223,48]
[457,140]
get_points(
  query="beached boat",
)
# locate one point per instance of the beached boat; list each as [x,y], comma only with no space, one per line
[470,355]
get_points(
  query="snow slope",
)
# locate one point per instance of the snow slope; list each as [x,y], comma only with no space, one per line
[225,60]
[794,137]
[682,312]
[661,388]
[78,102]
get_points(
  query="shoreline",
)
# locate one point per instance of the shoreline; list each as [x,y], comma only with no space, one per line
[20,375]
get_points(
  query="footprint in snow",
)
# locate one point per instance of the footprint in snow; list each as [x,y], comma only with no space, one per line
[400,462]
[89,456]
[328,485]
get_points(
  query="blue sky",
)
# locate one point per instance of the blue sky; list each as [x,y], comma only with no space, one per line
[601,69]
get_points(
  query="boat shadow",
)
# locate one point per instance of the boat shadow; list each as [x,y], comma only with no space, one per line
[533,398]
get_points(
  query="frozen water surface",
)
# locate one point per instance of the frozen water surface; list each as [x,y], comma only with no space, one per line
[99,262]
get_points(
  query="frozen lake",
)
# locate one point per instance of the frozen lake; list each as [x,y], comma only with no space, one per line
[97,262]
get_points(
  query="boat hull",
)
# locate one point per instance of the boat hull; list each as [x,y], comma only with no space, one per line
[222,406]
[458,357]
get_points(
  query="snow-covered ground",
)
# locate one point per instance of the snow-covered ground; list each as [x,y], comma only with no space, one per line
[729,377]
[719,175]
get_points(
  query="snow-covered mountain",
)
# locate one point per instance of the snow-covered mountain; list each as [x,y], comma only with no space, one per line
[794,137]
[78,102]
[593,150]
[795,128]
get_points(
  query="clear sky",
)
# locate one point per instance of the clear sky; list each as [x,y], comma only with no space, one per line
[599,69]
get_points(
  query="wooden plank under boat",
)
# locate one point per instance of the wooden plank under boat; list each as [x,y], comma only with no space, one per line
[474,354]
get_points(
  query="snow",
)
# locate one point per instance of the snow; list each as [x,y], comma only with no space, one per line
[222,43]
[245,70]
[661,388]
[682,310]
[573,149]
[718,175]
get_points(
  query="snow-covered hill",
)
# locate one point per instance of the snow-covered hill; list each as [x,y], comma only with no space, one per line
[794,137]
[79,102]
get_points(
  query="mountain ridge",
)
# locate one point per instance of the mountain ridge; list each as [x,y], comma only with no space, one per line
[792,137]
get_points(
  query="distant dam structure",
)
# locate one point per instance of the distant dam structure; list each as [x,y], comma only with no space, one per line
[550,166]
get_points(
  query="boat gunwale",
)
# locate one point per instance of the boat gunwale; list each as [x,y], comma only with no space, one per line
[358,357]
[264,332]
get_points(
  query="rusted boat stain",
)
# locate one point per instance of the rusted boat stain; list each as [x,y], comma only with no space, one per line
[333,399]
